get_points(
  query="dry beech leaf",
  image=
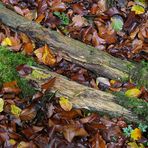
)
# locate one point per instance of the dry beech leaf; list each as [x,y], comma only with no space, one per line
[28,113]
[98,142]
[73,130]
[44,55]
[11,87]
[65,104]
[79,21]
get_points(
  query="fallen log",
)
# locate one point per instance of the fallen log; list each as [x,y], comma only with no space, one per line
[74,51]
[82,96]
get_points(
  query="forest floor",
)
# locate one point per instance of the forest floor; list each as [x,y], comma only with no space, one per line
[31,116]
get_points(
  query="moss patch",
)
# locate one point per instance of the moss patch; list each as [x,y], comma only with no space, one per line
[137,106]
[8,63]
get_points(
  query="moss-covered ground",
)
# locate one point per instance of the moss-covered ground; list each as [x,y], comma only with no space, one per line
[8,63]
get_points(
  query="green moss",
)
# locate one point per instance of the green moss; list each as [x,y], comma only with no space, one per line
[137,106]
[140,74]
[8,63]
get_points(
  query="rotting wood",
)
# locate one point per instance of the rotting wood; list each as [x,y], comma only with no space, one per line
[84,97]
[74,51]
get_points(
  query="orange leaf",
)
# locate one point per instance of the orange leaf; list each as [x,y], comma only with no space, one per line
[11,87]
[25,38]
[40,18]
[44,55]
[98,142]
[28,48]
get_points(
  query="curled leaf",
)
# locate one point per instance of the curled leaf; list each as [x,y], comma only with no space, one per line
[65,104]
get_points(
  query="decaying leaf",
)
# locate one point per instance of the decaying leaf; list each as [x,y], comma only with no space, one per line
[98,142]
[79,21]
[28,113]
[65,104]
[73,130]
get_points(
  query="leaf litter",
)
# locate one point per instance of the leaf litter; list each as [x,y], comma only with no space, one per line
[120,31]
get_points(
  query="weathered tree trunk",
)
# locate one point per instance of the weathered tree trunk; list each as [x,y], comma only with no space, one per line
[83,96]
[74,51]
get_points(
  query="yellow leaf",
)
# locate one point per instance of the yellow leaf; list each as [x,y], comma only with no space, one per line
[1,105]
[133,145]
[6,42]
[12,141]
[44,55]
[15,110]
[65,104]
[134,92]
[138,9]
[38,74]
[136,134]
[112,82]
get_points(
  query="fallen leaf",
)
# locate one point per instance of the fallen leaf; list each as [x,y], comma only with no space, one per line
[98,142]
[134,92]
[136,134]
[12,141]
[11,87]
[117,22]
[79,21]
[135,145]
[15,110]
[138,9]
[44,55]
[65,104]
[73,130]
[6,42]
[28,113]
[1,105]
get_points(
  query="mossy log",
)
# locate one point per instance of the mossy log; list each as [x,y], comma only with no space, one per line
[82,96]
[72,50]
[99,62]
